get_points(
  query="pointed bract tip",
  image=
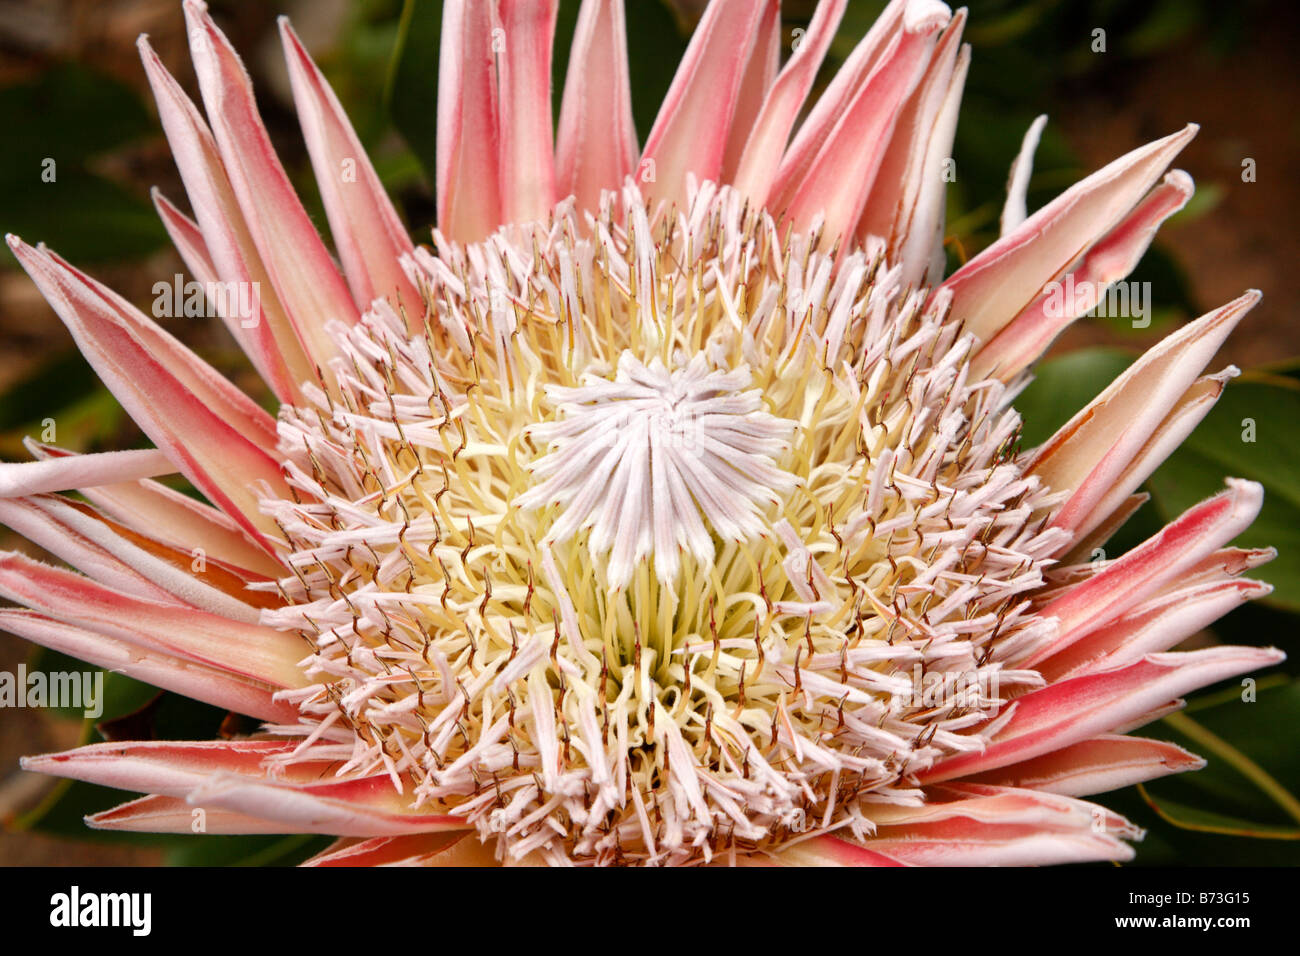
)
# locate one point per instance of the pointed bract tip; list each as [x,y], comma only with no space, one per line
[1177,139]
[1230,312]
[1244,491]
[196,13]
[293,48]
[41,763]
[1271,655]
[1256,589]
[1180,180]
[925,16]
[288,36]
[149,57]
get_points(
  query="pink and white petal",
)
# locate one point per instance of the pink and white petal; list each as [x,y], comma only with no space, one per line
[1141,573]
[188,573]
[1119,252]
[187,237]
[913,161]
[153,509]
[367,232]
[207,384]
[689,136]
[1099,765]
[56,527]
[1214,566]
[1151,716]
[169,768]
[770,133]
[1156,626]
[1088,454]
[1225,562]
[382,851]
[982,825]
[996,285]
[363,807]
[302,273]
[925,229]
[82,471]
[210,450]
[596,146]
[988,825]
[527,143]
[417,849]
[164,671]
[468,161]
[1088,546]
[755,83]
[261,653]
[1014,210]
[830,851]
[268,335]
[248,325]
[1030,333]
[1083,707]
[835,185]
[1008,806]
[89,542]
[1168,436]
[155,814]
[181,522]
[959,843]
[834,102]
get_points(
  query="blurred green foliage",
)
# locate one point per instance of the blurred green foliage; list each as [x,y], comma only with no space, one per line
[55,127]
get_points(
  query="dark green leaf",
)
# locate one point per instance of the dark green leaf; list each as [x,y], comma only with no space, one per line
[412,92]
[1220,794]
[655,44]
[203,850]
[1207,821]
[53,127]
[53,386]
[69,114]
[85,217]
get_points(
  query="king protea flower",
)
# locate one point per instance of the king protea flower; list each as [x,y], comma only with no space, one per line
[668,508]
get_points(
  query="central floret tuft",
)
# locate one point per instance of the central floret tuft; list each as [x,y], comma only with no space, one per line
[651,461]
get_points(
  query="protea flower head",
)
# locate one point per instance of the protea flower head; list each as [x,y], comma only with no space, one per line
[669,507]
